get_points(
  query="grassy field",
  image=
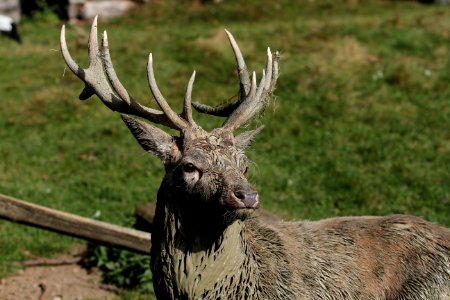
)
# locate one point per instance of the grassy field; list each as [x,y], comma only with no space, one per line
[360,124]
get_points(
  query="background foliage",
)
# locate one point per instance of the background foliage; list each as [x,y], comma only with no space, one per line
[360,124]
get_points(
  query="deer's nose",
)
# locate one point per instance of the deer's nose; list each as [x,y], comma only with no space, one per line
[249,199]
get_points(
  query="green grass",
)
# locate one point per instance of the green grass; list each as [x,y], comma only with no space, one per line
[360,125]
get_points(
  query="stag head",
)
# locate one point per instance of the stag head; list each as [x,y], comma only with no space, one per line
[204,169]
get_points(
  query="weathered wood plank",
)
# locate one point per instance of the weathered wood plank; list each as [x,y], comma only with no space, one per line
[31,214]
[23,212]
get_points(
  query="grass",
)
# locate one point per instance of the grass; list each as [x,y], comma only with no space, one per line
[360,124]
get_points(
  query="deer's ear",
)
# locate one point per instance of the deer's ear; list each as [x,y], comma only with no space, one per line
[245,139]
[152,139]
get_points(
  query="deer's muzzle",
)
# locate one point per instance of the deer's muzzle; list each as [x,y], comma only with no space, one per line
[246,199]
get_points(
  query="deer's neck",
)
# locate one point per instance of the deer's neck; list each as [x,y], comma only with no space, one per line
[206,264]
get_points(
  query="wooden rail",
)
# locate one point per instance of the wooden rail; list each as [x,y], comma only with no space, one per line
[108,234]
[27,213]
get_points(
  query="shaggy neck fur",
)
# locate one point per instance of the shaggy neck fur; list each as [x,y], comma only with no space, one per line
[219,259]
[200,258]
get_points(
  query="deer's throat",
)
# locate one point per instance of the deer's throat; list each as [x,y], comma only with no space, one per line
[202,267]
[203,270]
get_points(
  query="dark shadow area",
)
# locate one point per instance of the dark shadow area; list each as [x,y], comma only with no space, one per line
[59,7]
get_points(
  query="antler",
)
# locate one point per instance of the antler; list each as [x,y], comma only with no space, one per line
[252,98]
[101,79]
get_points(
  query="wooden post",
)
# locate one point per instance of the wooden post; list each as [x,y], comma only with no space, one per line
[31,214]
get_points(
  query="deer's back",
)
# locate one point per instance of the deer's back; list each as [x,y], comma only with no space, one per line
[395,257]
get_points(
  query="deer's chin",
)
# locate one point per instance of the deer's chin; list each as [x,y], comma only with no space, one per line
[232,204]
[238,214]
[237,210]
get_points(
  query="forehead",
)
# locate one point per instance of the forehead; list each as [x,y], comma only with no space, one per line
[213,149]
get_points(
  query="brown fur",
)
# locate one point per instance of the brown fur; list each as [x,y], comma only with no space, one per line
[208,245]
[228,255]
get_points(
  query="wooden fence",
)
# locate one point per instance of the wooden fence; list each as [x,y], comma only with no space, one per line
[27,213]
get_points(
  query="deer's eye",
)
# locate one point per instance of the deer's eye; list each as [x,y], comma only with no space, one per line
[189,168]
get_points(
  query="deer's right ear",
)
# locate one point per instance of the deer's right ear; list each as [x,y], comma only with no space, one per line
[244,139]
[152,139]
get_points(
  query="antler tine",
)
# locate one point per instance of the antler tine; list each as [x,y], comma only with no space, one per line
[173,117]
[244,85]
[93,43]
[96,82]
[242,68]
[95,65]
[255,102]
[269,66]
[187,110]
[252,91]
[109,68]
[248,108]
[73,66]
[276,57]
[252,97]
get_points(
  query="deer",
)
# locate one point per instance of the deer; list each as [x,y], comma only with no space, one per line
[208,241]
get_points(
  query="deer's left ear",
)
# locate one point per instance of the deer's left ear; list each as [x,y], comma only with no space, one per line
[152,139]
[245,139]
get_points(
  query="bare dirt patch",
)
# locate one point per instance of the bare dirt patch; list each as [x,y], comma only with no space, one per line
[349,51]
[218,42]
[55,282]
